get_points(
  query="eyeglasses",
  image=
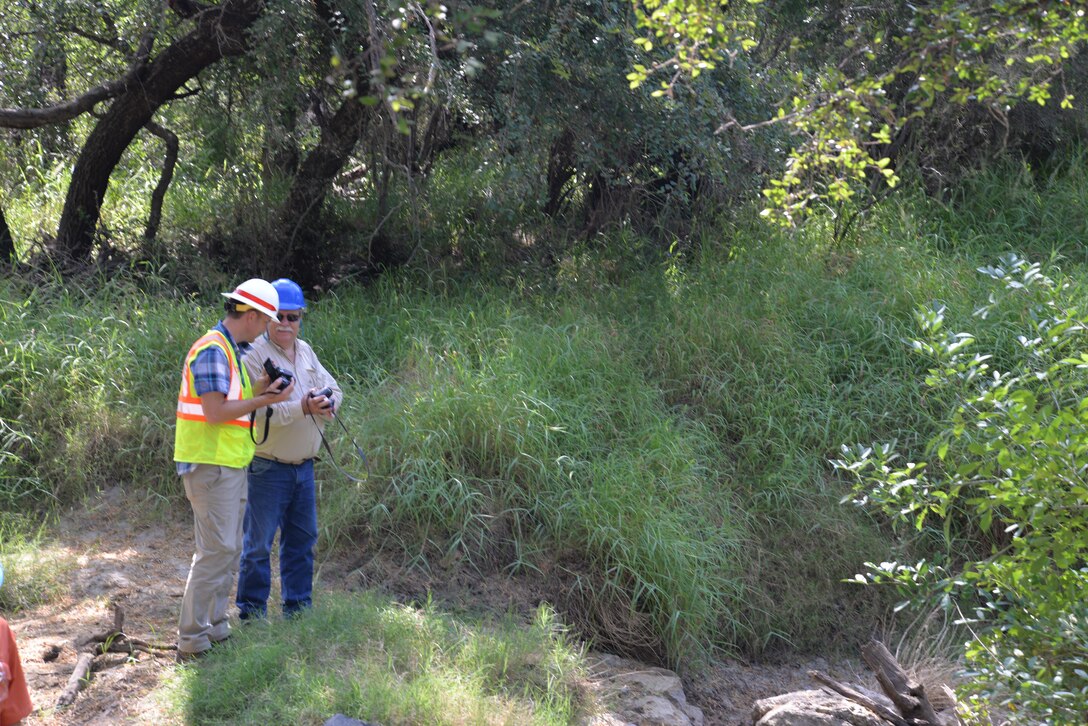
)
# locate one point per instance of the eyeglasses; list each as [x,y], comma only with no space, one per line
[289,317]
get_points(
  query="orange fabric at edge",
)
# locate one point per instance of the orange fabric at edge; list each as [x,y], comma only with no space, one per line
[17,705]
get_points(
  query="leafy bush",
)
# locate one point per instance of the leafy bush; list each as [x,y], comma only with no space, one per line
[1010,476]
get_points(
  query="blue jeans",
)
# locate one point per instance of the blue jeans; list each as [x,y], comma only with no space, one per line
[281,496]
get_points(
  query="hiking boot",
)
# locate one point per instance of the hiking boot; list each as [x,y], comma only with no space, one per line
[183,656]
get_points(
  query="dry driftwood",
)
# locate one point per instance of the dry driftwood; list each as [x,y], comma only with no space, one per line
[861,699]
[909,696]
[112,641]
[116,641]
[80,676]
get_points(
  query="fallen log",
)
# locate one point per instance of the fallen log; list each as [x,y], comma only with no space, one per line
[111,641]
[861,699]
[79,678]
[909,696]
[117,641]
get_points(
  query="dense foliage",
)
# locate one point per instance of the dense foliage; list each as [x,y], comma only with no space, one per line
[188,130]
[854,103]
[586,362]
[1010,475]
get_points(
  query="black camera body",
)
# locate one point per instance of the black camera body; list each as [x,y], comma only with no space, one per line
[274,372]
[326,391]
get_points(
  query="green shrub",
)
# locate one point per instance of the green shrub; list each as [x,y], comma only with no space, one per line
[1008,475]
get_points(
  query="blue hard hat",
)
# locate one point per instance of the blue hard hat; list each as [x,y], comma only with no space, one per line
[290,294]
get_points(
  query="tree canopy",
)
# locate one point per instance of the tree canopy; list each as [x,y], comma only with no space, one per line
[896,62]
[321,118]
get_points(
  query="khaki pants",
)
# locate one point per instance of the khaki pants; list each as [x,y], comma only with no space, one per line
[218,497]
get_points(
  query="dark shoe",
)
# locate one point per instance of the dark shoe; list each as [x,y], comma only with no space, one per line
[295,609]
[183,656]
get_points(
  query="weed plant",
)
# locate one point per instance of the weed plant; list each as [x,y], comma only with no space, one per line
[87,378]
[647,435]
[35,572]
[375,660]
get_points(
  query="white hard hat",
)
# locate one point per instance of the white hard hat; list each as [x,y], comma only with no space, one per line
[257,294]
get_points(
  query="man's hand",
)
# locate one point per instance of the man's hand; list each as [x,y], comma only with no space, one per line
[278,394]
[317,405]
[260,384]
[217,409]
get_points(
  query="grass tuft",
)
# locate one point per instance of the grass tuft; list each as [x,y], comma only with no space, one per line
[375,660]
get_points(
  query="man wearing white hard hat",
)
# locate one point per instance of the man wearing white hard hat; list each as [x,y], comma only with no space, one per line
[212,448]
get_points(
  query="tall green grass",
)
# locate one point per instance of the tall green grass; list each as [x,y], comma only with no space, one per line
[86,377]
[513,433]
[648,436]
[375,660]
[1011,206]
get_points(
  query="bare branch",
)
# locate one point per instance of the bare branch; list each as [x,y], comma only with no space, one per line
[32,118]
[170,160]
[433,70]
[114,42]
[187,8]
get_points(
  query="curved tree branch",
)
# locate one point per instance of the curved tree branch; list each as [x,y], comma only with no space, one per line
[170,160]
[114,42]
[32,118]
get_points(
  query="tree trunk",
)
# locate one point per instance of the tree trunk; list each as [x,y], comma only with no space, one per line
[169,161]
[560,171]
[220,32]
[311,185]
[7,242]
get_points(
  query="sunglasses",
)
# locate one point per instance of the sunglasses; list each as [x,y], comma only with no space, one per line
[289,317]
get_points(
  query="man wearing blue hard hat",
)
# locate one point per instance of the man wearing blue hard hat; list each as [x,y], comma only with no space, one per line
[282,492]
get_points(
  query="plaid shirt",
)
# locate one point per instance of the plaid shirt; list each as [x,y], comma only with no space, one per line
[211,372]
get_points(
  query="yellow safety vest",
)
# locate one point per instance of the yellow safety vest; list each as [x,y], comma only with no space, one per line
[195,440]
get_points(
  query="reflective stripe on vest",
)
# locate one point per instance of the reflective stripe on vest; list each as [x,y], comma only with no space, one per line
[198,442]
[190,406]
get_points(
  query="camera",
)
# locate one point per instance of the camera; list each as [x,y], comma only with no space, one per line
[326,391]
[274,372]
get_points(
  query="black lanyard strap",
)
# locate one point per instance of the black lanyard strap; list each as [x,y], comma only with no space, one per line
[252,421]
[332,457]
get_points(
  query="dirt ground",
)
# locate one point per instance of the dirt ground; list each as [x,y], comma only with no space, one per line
[124,559]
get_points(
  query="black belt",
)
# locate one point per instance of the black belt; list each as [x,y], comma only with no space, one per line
[281,461]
